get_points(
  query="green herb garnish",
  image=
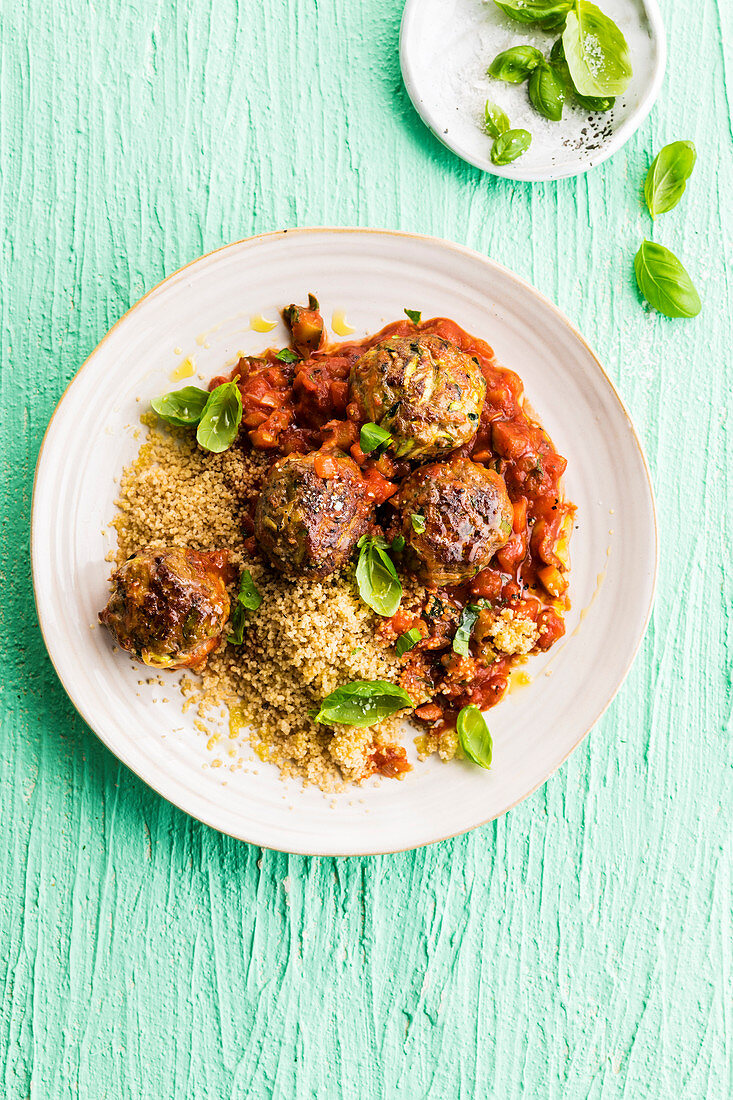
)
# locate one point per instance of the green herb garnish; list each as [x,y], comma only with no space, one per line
[596,52]
[287,355]
[547,14]
[495,121]
[664,282]
[514,65]
[398,543]
[408,640]
[376,577]
[372,436]
[509,146]
[362,703]
[181,408]
[560,65]
[249,599]
[418,522]
[547,91]
[667,178]
[463,633]
[219,424]
[414,315]
[474,736]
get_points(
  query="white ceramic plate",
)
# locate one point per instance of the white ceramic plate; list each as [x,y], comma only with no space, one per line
[446,47]
[204,310]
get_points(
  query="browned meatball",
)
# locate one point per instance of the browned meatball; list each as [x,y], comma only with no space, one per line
[455,516]
[424,390]
[311,512]
[169,606]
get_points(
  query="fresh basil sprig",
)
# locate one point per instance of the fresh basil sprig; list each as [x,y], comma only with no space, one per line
[219,424]
[547,14]
[463,633]
[514,65]
[408,640]
[248,599]
[509,146]
[596,52]
[474,736]
[181,408]
[414,315]
[376,577]
[495,121]
[560,65]
[667,178]
[547,91]
[372,436]
[664,282]
[362,703]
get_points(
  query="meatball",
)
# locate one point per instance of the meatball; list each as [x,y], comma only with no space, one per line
[311,512]
[422,389]
[455,516]
[169,606]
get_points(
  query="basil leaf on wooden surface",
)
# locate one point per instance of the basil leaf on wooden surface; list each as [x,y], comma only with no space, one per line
[474,736]
[514,65]
[547,92]
[495,121]
[287,355]
[596,52]
[509,146]
[664,282]
[248,598]
[418,522]
[182,408]
[547,14]
[372,436]
[219,424]
[463,633]
[376,577]
[408,640]
[667,178]
[362,703]
[414,315]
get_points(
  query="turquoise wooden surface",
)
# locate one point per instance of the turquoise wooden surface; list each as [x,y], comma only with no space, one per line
[579,947]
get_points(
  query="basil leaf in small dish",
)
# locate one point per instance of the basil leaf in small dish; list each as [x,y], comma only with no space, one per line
[362,703]
[408,640]
[495,121]
[514,65]
[560,65]
[547,14]
[414,315]
[664,282]
[376,577]
[287,355]
[219,424]
[667,178]
[596,52]
[509,146]
[182,408]
[474,736]
[372,436]
[547,92]
[418,522]
[463,633]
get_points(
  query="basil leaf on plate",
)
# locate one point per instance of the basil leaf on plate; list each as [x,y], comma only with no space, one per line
[547,92]
[495,121]
[408,640]
[414,315]
[376,577]
[664,282]
[182,408]
[515,64]
[362,703]
[372,436]
[596,52]
[248,598]
[509,146]
[219,424]
[560,65]
[474,736]
[287,355]
[667,178]
[418,522]
[463,633]
[542,13]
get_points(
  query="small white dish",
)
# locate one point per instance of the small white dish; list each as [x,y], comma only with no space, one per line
[446,47]
[204,311]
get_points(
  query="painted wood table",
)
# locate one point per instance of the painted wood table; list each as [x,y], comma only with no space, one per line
[578,947]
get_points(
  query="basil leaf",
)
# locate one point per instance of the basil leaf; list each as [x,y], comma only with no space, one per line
[596,52]
[408,640]
[560,65]
[362,703]
[398,543]
[495,121]
[414,315]
[182,408]
[372,436]
[667,178]
[664,282]
[462,636]
[248,598]
[546,91]
[418,522]
[219,424]
[376,578]
[474,736]
[543,13]
[514,65]
[287,355]
[510,145]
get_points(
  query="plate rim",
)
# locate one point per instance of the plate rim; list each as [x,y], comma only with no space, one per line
[513,171]
[348,230]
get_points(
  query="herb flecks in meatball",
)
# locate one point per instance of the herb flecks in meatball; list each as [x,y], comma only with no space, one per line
[169,606]
[424,390]
[454,516]
[311,512]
